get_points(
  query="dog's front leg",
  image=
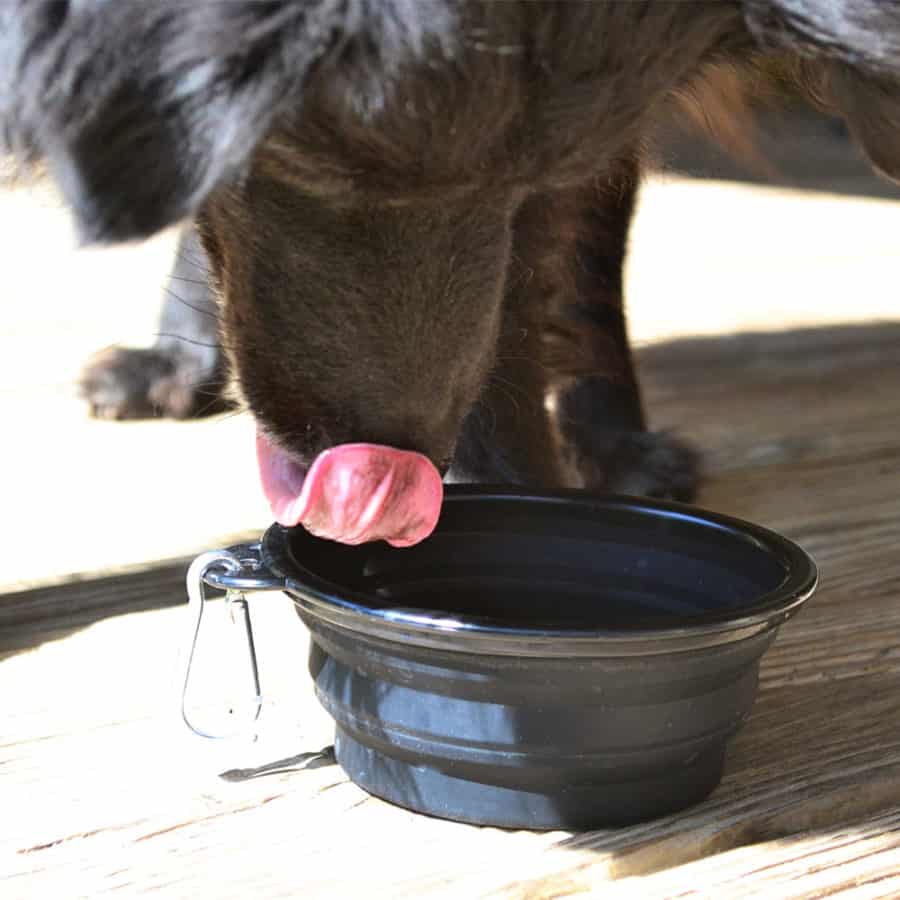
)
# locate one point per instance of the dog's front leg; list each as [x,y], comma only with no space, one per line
[565,286]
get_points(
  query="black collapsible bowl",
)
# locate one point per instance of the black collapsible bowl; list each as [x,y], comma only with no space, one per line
[543,660]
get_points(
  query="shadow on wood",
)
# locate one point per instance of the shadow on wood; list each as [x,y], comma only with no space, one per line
[799,429]
[801,434]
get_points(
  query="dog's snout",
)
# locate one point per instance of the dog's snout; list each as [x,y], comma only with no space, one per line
[427,436]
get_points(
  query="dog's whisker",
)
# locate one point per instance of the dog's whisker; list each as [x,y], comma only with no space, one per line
[207,382]
[528,359]
[201,281]
[186,340]
[191,306]
[509,395]
[501,381]
[242,410]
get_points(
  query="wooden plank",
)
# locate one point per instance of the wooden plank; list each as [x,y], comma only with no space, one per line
[859,859]
[103,792]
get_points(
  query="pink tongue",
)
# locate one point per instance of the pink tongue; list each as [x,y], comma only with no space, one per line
[354,493]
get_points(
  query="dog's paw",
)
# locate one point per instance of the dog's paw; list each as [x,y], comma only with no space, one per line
[135,383]
[647,464]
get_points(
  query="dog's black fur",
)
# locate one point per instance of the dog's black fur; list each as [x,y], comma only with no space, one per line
[415,211]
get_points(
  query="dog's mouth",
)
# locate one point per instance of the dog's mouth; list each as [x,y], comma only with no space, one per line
[353,493]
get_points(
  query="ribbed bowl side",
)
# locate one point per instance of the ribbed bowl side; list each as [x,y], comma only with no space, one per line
[533,742]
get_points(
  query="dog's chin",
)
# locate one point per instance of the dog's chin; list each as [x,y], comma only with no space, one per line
[353,493]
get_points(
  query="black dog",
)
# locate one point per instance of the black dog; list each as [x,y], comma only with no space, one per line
[414,211]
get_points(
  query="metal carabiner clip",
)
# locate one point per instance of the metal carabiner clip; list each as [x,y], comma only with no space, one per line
[235,570]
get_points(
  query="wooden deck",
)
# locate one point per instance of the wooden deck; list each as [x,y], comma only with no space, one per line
[103,794]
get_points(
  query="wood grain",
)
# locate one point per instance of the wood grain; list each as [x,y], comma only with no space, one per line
[102,791]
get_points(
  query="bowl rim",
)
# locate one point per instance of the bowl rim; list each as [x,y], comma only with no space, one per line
[327,602]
